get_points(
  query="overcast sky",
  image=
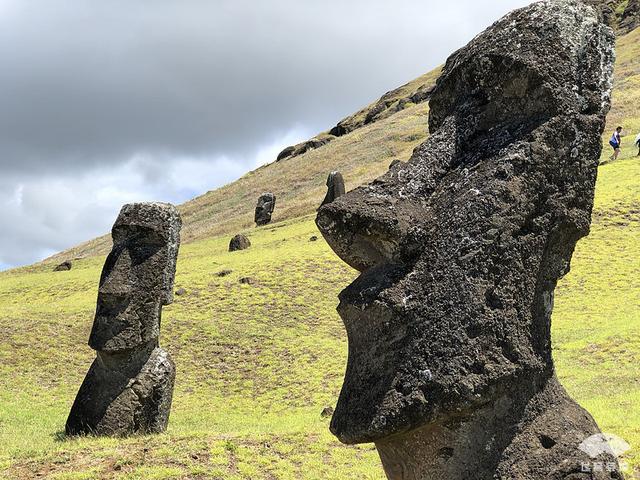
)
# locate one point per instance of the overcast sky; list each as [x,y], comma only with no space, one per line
[107,102]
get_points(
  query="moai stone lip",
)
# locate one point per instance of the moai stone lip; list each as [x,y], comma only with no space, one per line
[461,247]
[129,386]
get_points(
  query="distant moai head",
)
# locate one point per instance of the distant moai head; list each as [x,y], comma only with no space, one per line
[335,187]
[137,277]
[460,248]
[264,208]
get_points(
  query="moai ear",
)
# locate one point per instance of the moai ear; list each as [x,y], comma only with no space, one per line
[174,223]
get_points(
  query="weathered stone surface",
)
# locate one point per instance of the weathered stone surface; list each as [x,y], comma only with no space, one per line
[180,292]
[335,187]
[264,208]
[450,370]
[63,267]
[129,387]
[239,242]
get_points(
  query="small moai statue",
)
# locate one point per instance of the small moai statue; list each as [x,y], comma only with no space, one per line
[335,187]
[264,209]
[129,386]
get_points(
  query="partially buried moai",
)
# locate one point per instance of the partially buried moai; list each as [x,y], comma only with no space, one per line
[450,370]
[335,187]
[264,209]
[129,386]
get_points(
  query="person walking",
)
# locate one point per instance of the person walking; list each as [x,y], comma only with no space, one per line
[615,143]
[638,143]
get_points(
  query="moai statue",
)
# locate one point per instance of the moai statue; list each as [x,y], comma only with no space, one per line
[335,187]
[450,370]
[129,386]
[264,208]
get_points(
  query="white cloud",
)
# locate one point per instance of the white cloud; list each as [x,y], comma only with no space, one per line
[105,103]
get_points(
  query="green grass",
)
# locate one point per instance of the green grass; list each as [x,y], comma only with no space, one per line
[258,363]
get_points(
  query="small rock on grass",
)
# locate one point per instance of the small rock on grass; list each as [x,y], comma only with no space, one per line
[63,267]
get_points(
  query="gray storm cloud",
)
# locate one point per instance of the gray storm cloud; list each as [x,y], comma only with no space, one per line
[89,88]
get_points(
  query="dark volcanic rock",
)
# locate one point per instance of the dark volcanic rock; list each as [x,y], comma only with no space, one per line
[630,17]
[247,280]
[224,273]
[313,238]
[326,412]
[264,208]
[450,370]
[621,15]
[239,242]
[180,292]
[63,267]
[287,152]
[335,187]
[129,386]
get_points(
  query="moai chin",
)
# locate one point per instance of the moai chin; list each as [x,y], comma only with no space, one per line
[450,371]
[129,386]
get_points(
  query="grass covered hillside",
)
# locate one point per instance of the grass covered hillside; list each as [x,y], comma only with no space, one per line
[258,362]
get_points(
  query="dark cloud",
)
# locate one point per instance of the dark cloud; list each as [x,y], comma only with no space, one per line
[93,87]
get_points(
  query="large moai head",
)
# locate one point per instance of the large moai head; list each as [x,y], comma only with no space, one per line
[460,248]
[137,278]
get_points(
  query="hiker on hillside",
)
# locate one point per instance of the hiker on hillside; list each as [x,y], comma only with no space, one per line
[615,143]
[638,143]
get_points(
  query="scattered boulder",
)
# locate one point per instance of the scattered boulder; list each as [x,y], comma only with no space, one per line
[264,209]
[299,149]
[63,267]
[129,386]
[313,238]
[287,152]
[180,292]
[326,412]
[460,251]
[224,273]
[247,280]
[239,242]
[335,187]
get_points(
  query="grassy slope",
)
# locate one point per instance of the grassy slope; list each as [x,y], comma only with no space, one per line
[257,363]
[299,182]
